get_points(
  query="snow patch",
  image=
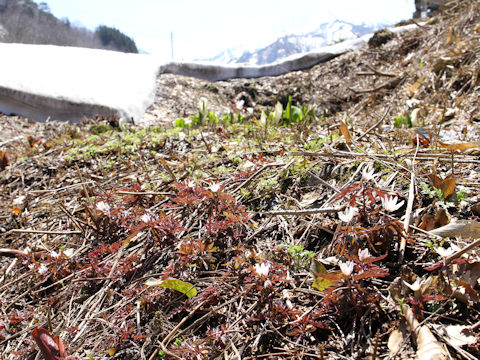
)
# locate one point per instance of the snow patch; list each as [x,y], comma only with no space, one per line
[110,82]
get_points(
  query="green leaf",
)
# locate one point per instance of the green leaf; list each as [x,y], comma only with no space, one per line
[175,284]
[180,123]
[320,283]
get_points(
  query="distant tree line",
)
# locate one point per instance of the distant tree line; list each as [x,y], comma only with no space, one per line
[24,21]
[111,36]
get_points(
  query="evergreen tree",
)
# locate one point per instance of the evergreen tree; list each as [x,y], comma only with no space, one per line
[112,37]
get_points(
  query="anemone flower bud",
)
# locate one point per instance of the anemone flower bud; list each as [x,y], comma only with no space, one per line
[346,267]
[364,254]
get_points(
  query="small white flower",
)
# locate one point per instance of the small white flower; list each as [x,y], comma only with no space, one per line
[450,251]
[286,295]
[146,218]
[181,136]
[346,267]
[267,284]
[68,252]
[367,173]
[54,254]
[262,269]
[27,250]
[214,187]
[103,207]
[239,104]
[19,200]
[348,215]
[42,269]
[191,184]
[364,254]
[390,203]
[417,285]
[250,110]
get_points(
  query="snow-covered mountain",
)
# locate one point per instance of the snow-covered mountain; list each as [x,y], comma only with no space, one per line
[325,34]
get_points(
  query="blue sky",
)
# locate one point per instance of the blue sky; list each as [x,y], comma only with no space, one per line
[203,28]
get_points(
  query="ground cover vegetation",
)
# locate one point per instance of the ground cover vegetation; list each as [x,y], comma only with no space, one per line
[342,229]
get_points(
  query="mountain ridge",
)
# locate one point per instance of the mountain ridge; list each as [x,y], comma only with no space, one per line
[325,34]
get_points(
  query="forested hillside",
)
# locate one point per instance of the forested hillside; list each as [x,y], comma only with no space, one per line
[24,21]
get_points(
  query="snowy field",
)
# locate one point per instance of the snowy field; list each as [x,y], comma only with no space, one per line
[67,83]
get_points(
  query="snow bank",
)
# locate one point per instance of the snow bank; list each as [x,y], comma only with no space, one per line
[67,83]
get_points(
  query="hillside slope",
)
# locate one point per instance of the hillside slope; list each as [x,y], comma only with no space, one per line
[26,22]
[340,224]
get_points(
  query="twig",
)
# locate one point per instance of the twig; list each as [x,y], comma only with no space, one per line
[376,124]
[304,212]
[459,253]
[31,231]
[254,175]
[408,213]
[390,83]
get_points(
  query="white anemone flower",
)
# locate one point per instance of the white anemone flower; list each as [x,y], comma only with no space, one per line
[348,214]
[367,173]
[262,269]
[214,187]
[346,267]
[42,269]
[390,203]
[364,254]
[68,252]
[103,207]
[239,104]
[417,285]
[146,218]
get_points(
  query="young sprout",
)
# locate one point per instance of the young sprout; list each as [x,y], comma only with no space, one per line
[390,203]
[348,215]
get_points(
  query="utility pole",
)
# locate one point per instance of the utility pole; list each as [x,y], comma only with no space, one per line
[171,42]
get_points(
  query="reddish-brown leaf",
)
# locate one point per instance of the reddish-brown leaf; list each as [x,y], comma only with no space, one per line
[447,185]
[33,142]
[459,146]
[51,347]
[345,132]
[16,211]
[3,161]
